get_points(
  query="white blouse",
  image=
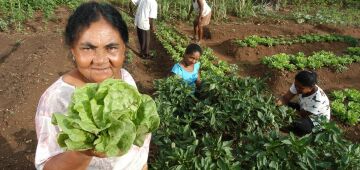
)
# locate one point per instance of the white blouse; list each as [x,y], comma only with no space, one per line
[56,99]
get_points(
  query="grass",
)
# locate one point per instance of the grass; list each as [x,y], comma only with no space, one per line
[344,12]
[14,12]
[327,15]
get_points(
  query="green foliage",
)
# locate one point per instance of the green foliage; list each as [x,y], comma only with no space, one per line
[327,14]
[175,45]
[321,150]
[255,40]
[317,60]
[233,124]
[353,51]
[108,117]
[15,12]
[129,56]
[346,105]
[198,133]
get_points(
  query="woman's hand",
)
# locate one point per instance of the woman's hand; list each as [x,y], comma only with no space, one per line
[76,160]
[92,152]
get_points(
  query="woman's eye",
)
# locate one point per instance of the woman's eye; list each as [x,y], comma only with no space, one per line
[112,48]
[86,48]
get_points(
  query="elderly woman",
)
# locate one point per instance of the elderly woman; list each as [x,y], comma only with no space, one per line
[96,35]
[202,19]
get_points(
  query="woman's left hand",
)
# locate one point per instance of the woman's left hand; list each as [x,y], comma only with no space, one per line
[92,152]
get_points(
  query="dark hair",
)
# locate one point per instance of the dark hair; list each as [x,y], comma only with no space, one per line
[306,78]
[90,12]
[191,48]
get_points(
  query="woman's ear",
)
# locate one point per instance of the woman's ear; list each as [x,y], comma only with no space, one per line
[72,52]
[72,55]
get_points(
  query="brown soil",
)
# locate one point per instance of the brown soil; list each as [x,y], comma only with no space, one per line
[33,59]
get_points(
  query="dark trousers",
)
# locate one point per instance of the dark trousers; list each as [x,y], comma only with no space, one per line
[144,40]
[302,126]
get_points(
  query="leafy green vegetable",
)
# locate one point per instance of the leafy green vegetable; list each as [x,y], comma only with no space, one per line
[317,60]
[255,40]
[108,117]
[346,105]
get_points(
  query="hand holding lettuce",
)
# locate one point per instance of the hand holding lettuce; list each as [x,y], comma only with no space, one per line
[107,117]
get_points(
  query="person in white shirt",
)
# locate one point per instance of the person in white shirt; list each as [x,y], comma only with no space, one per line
[202,19]
[313,102]
[96,35]
[145,15]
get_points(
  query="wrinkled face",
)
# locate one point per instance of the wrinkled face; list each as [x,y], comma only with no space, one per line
[302,89]
[191,59]
[99,52]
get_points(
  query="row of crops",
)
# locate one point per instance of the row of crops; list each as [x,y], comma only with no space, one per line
[299,61]
[233,123]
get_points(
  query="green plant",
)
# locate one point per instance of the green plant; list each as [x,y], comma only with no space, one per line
[255,40]
[320,150]
[209,125]
[129,56]
[353,51]
[346,105]
[317,60]
[108,117]
[15,12]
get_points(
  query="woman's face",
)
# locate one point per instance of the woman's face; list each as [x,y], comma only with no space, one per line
[99,52]
[191,59]
[302,89]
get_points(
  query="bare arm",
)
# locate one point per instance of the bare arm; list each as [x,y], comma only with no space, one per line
[68,160]
[71,160]
[285,99]
[198,81]
[201,9]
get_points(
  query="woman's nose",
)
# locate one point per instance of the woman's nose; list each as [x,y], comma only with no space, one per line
[100,56]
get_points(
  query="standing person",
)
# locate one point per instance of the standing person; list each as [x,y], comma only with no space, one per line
[202,19]
[145,15]
[189,67]
[96,35]
[313,102]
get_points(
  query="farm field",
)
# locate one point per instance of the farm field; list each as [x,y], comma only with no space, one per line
[235,77]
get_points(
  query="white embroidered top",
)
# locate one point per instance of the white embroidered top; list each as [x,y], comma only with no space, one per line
[56,99]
